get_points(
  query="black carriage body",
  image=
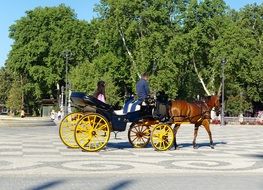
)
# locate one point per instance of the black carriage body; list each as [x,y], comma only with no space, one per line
[118,122]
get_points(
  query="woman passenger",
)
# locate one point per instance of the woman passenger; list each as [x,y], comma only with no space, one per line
[100,91]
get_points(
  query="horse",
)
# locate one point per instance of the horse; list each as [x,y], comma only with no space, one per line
[197,113]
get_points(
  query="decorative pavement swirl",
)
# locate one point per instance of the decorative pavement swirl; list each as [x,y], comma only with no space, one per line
[34,147]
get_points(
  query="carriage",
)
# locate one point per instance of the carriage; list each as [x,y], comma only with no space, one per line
[90,128]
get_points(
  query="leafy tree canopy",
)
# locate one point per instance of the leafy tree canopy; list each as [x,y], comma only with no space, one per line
[181,44]
[40,37]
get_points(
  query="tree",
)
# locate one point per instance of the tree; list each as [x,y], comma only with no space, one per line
[14,102]
[250,20]
[39,38]
[236,105]
[5,81]
[241,45]
[84,78]
[139,33]
[202,24]
[179,43]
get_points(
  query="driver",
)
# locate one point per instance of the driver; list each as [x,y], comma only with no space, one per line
[142,87]
[142,90]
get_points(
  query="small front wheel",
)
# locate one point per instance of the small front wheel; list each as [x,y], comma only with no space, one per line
[162,137]
[139,135]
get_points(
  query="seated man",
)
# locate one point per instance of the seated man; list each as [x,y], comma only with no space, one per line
[142,90]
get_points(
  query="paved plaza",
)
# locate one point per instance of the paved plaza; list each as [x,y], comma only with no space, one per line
[32,156]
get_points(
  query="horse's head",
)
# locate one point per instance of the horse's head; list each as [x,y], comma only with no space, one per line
[213,102]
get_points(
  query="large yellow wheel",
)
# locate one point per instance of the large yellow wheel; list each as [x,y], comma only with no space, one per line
[139,135]
[162,137]
[67,128]
[92,132]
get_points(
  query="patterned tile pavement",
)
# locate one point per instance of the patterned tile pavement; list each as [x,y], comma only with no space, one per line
[34,147]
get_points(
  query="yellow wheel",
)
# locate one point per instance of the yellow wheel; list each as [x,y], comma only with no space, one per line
[67,128]
[162,137]
[92,132]
[139,135]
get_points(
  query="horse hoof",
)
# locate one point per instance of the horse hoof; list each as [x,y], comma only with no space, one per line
[176,148]
[195,147]
[212,146]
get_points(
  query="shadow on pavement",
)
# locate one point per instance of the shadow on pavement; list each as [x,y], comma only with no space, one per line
[259,156]
[120,185]
[123,145]
[183,145]
[47,185]
[45,124]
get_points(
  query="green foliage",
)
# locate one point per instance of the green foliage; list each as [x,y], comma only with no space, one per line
[14,101]
[84,78]
[5,81]
[236,105]
[179,43]
[40,37]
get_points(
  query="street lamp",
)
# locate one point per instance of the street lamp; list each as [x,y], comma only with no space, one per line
[67,54]
[58,98]
[62,101]
[223,62]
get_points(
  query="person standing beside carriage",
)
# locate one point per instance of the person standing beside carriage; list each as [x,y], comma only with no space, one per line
[100,91]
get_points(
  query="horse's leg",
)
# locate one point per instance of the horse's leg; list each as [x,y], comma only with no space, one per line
[176,127]
[205,123]
[195,135]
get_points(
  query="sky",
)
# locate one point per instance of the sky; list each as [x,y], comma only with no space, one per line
[13,10]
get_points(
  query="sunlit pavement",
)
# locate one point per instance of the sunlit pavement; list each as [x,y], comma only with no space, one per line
[33,157]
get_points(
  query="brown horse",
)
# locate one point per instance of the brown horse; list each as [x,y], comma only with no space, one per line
[197,113]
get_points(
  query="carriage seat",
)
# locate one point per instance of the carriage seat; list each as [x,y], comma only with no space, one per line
[83,100]
[127,108]
[132,105]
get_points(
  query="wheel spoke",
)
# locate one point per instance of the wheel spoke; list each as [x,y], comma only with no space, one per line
[88,141]
[134,139]
[158,144]
[145,137]
[98,123]
[135,127]
[67,135]
[93,144]
[142,140]
[145,129]
[102,127]
[163,145]
[134,131]
[94,121]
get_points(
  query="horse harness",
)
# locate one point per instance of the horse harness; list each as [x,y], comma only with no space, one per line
[202,114]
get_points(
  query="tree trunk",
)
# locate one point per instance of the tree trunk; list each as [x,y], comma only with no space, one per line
[128,51]
[201,79]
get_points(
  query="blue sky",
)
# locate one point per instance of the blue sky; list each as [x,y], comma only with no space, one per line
[12,10]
